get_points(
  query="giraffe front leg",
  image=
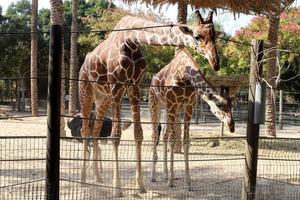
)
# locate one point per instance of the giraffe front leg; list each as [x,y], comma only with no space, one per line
[165,151]
[165,144]
[96,150]
[172,135]
[101,108]
[116,135]
[178,142]
[187,178]
[155,115]
[171,177]
[86,107]
[186,144]
[83,170]
[154,160]
[134,96]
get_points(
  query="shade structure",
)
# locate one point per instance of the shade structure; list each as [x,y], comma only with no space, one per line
[234,83]
[264,7]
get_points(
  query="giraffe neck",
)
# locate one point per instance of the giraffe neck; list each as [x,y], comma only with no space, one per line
[189,69]
[158,35]
[199,82]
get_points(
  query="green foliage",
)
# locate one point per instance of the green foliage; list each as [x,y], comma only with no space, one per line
[156,58]
[15,49]
[93,16]
[289,39]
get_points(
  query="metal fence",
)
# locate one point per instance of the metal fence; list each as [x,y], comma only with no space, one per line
[216,168]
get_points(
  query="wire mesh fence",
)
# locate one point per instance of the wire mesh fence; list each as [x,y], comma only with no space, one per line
[216,168]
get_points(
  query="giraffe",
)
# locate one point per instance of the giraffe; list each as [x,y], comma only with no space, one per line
[117,66]
[175,88]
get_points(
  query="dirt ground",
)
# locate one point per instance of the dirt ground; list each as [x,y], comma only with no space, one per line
[214,178]
[22,124]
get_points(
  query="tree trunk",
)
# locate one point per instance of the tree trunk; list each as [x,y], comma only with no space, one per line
[73,91]
[33,63]
[181,19]
[271,73]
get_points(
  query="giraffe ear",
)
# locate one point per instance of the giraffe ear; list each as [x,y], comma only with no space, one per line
[186,30]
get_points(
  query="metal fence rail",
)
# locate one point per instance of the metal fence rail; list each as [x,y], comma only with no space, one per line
[216,168]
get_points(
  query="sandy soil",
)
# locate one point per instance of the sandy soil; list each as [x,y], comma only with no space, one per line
[213,176]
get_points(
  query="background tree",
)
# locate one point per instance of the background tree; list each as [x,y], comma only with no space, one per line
[33,63]
[271,73]
[288,38]
[73,90]
[16,48]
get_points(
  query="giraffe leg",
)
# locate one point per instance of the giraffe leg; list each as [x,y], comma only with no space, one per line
[101,108]
[155,115]
[178,143]
[171,133]
[187,120]
[117,93]
[165,145]
[86,107]
[134,96]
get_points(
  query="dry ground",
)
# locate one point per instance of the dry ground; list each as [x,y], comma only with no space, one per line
[213,176]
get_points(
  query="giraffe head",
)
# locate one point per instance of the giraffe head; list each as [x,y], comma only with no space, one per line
[204,35]
[221,107]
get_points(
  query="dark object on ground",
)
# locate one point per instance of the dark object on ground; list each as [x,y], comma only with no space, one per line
[75,124]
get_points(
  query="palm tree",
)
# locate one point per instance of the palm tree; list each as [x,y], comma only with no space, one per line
[33,63]
[73,92]
[271,73]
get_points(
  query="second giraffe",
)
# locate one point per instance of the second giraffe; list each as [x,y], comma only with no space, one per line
[175,88]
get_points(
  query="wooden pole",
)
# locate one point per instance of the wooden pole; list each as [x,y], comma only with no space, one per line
[53,113]
[252,137]
[222,129]
[280,110]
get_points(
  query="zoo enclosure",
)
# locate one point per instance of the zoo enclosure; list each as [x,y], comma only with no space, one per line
[131,188]
[216,171]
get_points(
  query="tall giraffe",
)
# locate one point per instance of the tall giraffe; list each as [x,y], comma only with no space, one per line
[117,65]
[174,88]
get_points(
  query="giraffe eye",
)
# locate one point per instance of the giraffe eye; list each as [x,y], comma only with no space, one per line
[198,37]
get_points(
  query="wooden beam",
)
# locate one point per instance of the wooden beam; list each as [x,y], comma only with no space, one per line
[252,137]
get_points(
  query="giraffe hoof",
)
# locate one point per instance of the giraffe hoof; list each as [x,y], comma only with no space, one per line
[171,184]
[153,179]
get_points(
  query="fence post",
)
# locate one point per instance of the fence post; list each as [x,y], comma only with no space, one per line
[222,130]
[53,113]
[252,137]
[280,110]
